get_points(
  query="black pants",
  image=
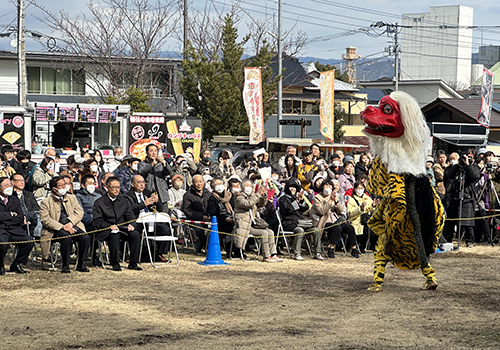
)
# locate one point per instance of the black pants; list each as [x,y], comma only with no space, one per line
[367,235]
[24,248]
[134,240]
[66,240]
[334,233]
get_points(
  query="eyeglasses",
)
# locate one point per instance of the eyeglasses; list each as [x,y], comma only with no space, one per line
[114,187]
[18,180]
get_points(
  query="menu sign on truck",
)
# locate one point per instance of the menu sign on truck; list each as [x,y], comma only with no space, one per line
[44,114]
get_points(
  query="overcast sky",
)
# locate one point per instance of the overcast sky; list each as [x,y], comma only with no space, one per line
[326,22]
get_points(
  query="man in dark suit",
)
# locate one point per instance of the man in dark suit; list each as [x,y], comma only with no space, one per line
[29,205]
[143,201]
[111,212]
[11,221]
[102,188]
[194,206]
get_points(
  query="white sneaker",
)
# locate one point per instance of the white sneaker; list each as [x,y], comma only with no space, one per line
[318,256]
[269,260]
[298,257]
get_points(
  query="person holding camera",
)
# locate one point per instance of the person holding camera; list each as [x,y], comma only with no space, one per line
[186,168]
[460,181]
[248,163]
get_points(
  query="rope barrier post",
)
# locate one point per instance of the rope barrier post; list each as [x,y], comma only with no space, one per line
[214,256]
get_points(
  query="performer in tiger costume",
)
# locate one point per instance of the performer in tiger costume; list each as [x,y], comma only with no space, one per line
[410,217]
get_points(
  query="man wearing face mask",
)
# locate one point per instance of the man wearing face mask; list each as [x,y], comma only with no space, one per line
[335,167]
[219,205]
[184,167]
[23,163]
[194,206]
[292,205]
[126,171]
[86,198]
[115,163]
[206,166]
[11,221]
[73,171]
[28,202]
[61,217]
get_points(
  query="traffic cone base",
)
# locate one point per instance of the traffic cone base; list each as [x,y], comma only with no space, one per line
[214,256]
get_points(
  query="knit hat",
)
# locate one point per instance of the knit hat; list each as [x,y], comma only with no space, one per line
[175,177]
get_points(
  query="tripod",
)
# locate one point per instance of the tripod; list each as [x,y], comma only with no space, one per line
[489,185]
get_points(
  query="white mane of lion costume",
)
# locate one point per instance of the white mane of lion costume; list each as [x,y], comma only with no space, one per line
[407,153]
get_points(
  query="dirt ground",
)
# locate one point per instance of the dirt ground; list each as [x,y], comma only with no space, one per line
[299,305]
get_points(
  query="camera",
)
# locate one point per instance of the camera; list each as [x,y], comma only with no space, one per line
[4,165]
[492,166]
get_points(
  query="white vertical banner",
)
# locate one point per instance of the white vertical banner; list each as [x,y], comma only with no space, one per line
[484,116]
[252,99]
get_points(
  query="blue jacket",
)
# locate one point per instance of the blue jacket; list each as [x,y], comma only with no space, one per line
[86,201]
[125,175]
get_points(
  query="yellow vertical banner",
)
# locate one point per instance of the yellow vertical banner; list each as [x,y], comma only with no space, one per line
[252,99]
[326,114]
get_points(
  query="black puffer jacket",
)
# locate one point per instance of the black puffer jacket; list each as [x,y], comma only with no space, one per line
[290,209]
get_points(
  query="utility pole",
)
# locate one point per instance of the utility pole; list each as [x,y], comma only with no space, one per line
[392,29]
[184,54]
[280,69]
[21,55]
[396,55]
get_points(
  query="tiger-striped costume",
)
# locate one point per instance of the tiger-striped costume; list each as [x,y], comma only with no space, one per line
[392,224]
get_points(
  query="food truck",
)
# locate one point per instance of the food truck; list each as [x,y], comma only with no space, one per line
[71,126]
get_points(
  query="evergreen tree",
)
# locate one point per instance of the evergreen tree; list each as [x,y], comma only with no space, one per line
[212,83]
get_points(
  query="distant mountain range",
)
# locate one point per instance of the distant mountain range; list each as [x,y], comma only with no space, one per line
[366,68]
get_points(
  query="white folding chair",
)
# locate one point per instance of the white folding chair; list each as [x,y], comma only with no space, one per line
[152,219]
[289,233]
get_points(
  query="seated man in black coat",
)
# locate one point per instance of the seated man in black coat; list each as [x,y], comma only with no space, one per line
[143,201]
[29,205]
[194,206]
[112,211]
[11,220]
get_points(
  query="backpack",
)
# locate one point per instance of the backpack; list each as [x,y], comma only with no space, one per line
[30,177]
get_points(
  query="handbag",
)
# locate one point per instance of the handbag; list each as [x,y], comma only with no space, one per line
[258,223]
[365,216]
[305,223]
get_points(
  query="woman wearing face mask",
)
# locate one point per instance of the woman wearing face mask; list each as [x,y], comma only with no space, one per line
[41,178]
[86,197]
[246,203]
[90,167]
[360,203]
[126,172]
[328,214]
[219,205]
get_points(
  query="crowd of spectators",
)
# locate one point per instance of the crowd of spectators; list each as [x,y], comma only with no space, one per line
[308,197]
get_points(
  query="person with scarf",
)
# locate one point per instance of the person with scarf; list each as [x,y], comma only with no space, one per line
[292,206]
[219,205]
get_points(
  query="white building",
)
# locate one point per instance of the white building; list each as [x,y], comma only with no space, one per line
[438,45]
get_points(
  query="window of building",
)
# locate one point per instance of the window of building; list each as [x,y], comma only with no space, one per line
[49,81]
